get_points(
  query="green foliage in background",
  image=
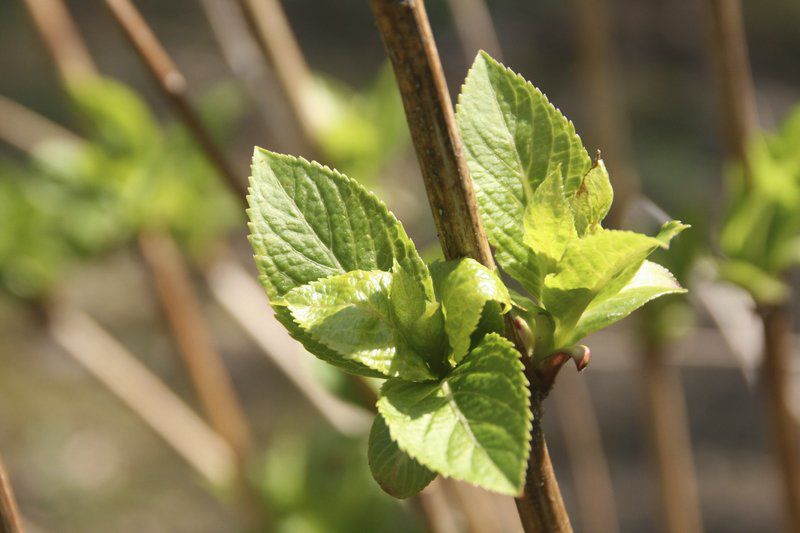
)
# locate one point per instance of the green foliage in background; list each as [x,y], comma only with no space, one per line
[75,200]
[361,131]
[301,472]
[760,239]
[347,282]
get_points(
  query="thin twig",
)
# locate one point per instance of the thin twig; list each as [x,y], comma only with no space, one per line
[193,335]
[475,28]
[409,43]
[738,111]
[738,116]
[60,36]
[591,474]
[243,56]
[26,131]
[10,517]
[608,125]
[276,39]
[778,348]
[669,435]
[245,301]
[173,84]
[144,393]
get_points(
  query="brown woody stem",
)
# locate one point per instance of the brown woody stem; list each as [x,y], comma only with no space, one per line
[409,43]
[173,84]
[10,518]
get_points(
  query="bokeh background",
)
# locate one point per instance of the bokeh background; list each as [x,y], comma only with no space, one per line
[81,460]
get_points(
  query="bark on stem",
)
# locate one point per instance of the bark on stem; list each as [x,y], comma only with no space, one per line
[10,518]
[775,385]
[736,102]
[173,84]
[669,437]
[409,43]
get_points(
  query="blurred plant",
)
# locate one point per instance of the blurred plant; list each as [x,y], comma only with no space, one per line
[298,475]
[760,238]
[348,283]
[360,131]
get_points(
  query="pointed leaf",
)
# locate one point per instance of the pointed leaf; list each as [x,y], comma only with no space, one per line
[512,138]
[548,222]
[601,262]
[294,207]
[464,287]
[651,281]
[397,473]
[593,199]
[474,425]
[351,315]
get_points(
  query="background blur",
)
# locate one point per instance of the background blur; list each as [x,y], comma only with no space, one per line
[81,461]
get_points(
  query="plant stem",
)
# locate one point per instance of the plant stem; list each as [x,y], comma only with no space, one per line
[607,125]
[669,436]
[192,333]
[775,383]
[10,518]
[409,43]
[61,39]
[736,102]
[173,85]
[475,28]
[142,392]
[738,110]
[583,440]
[277,42]
[25,130]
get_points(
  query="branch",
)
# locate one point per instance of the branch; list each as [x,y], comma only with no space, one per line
[10,517]
[245,301]
[144,393]
[475,28]
[277,42]
[61,39]
[26,130]
[173,85]
[192,333]
[736,98]
[409,43]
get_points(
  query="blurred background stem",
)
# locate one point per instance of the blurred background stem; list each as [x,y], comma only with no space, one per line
[10,518]
[739,121]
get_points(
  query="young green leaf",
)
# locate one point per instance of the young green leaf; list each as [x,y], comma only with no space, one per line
[548,222]
[651,281]
[309,222]
[592,200]
[464,287]
[473,425]
[397,473]
[601,262]
[351,314]
[513,137]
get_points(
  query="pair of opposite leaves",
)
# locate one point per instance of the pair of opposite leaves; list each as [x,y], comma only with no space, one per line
[346,281]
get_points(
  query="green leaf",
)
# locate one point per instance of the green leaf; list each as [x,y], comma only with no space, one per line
[397,473]
[602,262]
[669,230]
[464,287]
[593,199]
[309,222]
[764,287]
[419,320]
[474,425]
[548,222]
[513,137]
[351,314]
[651,281]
